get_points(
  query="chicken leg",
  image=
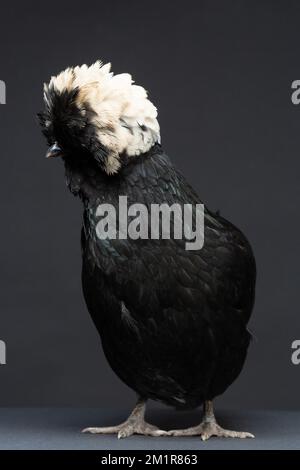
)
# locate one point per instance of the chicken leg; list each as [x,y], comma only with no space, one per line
[208,427]
[135,424]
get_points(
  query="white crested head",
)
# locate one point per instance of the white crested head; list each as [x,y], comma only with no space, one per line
[123,117]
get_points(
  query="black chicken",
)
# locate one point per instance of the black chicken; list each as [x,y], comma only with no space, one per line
[173,322]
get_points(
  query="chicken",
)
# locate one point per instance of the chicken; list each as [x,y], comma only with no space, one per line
[173,322]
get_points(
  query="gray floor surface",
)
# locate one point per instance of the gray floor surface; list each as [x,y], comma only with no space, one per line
[59,428]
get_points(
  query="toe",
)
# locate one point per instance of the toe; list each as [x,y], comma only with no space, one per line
[125,432]
[150,430]
[107,430]
[177,432]
[216,430]
[90,430]
[244,435]
[158,433]
[234,434]
[194,431]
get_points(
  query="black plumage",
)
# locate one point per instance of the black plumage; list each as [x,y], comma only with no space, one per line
[173,322]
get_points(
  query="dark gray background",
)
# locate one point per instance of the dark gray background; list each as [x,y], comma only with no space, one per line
[220,73]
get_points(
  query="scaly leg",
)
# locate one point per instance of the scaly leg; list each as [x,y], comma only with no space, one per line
[208,427]
[135,424]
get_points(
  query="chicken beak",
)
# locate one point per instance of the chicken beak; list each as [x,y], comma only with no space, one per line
[54,151]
